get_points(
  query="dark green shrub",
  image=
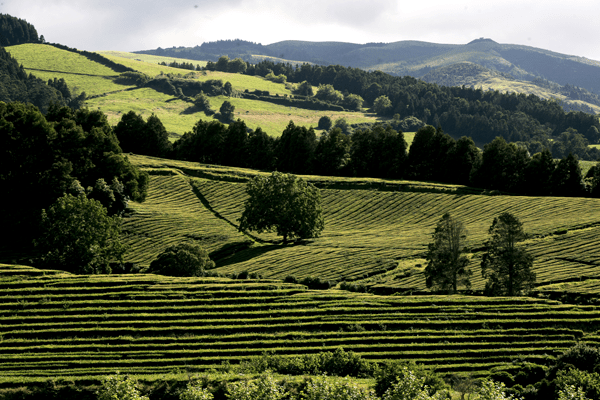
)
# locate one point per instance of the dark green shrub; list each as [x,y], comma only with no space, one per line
[184,259]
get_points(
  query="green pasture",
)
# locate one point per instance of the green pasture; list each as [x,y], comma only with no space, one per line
[176,115]
[149,58]
[81,74]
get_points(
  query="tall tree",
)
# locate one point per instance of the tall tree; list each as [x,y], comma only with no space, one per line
[447,265]
[285,204]
[567,179]
[79,236]
[296,149]
[506,264]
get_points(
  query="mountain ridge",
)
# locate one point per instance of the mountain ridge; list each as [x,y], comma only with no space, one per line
[411,57]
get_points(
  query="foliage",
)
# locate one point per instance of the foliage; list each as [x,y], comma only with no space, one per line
[119,387]
[396,378]
[319,387]
[329,94]
[282,203]
[143,137]
[337,363]
[447,266]
[587,383]
[410,386]
[78,236]
[263,388]
[490,390]
[332,153]
[570,392]
[183,259]
[567,179]
[195,391]
[382,105]
[304,89]
[428,152]
[295,149]
[506,265]
[379,151]
[324,122]
[227,111]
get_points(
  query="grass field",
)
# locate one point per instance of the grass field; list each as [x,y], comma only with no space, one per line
[82,75]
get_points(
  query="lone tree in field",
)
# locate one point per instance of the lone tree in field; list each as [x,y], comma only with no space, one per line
[285,204]
[446,263]
[506,265]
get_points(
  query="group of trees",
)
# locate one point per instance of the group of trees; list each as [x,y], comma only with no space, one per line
[481,115]
[57,171]
[505,264]
[373,151]
[14,31]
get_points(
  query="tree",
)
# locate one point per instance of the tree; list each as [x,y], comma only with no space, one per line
[567,179]
[325,122]
[78,236]
[321,387]
[490,390]
[506,265]
[194,391]
[353,102]
[329,94]
[119,387]
[332,153]
[304,89]
[382,105]
[447,266]
[296,149]
[285,204]
[183,259]
[263,388]
[227,111]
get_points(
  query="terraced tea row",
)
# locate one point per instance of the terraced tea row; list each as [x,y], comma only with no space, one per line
[369,232]
[85,327]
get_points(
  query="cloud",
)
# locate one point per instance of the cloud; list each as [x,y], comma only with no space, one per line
[566,27]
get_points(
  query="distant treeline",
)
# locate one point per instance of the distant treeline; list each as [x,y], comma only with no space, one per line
[378,151]
[15,31]
[462,111]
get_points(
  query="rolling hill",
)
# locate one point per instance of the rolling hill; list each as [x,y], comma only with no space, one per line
[107,93]
[417,59]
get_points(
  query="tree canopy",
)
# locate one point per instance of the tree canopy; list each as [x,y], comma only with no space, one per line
[78,236]
[447,265]
[283,203]
[183,259]
[506,264]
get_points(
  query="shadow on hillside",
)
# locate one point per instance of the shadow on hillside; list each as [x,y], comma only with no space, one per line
[248,254]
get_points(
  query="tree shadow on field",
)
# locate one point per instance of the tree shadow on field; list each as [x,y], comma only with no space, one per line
[249,254]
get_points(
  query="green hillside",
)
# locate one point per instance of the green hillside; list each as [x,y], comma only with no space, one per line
[178,116]
[376,232]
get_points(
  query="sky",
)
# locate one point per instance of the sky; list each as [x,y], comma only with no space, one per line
[568,27]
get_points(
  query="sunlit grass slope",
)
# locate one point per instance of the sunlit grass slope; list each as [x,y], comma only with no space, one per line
[81,74]
[179,117]
[378,231]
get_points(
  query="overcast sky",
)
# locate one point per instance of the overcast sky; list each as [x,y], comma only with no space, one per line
[569,27]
